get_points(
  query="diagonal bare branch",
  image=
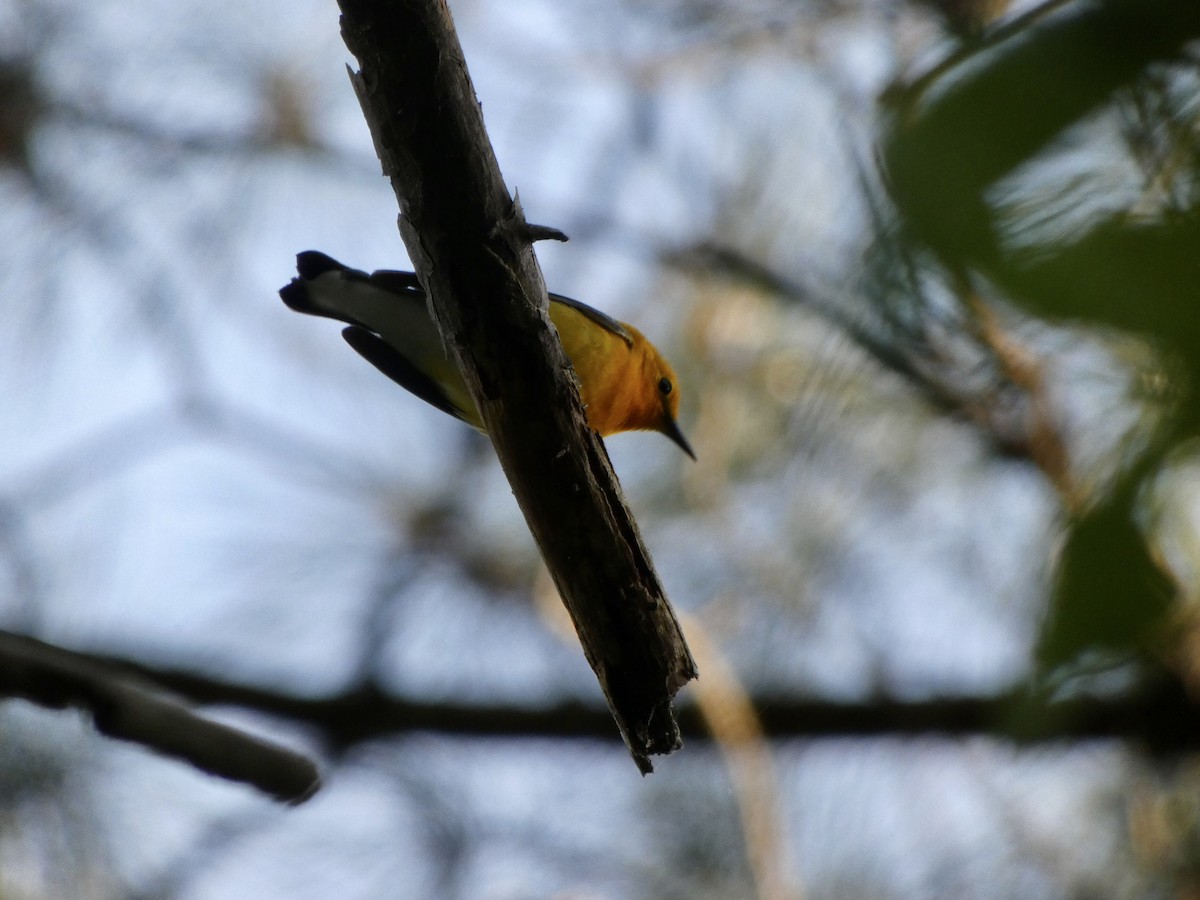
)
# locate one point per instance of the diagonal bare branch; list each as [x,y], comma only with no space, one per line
[470,245]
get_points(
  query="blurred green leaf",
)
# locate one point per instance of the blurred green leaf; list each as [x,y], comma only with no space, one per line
[1050,94]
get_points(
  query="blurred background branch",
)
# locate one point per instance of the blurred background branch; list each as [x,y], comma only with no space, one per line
[125,707]
[1160,716]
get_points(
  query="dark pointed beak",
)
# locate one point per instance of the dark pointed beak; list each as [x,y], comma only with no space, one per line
[671,429]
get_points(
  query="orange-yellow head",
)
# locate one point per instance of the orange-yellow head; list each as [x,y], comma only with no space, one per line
[624,382]
[656,395]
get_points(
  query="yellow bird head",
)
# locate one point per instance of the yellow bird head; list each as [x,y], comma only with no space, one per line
[644,395]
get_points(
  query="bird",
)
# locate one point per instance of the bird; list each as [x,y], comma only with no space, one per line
[624,382]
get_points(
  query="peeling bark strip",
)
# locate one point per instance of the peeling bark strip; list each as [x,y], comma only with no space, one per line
[470,246]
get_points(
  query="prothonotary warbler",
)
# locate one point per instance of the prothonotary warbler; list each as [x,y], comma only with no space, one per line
[624,382]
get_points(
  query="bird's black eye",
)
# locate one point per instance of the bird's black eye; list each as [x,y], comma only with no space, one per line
[664,386]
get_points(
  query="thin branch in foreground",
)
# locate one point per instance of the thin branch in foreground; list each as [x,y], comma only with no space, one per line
[131,708]
[470,245]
